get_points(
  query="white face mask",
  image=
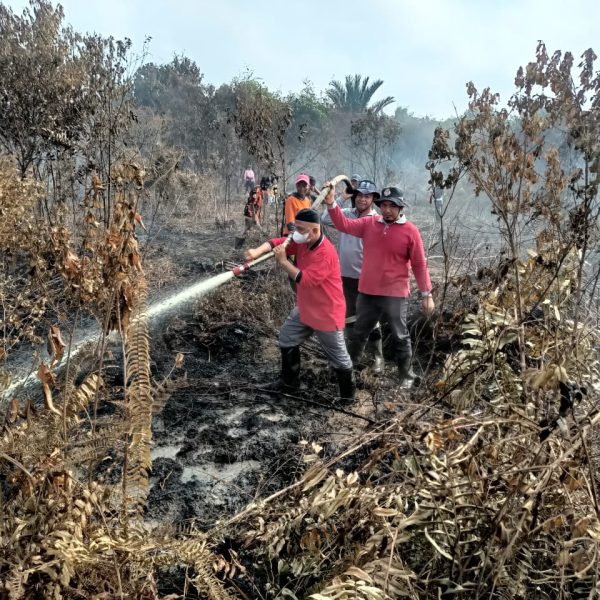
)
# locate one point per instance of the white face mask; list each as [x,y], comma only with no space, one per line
[300,238]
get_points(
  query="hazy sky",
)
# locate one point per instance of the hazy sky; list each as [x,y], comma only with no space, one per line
[424,50]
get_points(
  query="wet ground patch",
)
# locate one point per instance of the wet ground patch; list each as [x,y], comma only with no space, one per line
[221,440]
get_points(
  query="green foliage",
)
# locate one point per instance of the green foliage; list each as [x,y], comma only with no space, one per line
[261,119]
[355,95]
[309,111]
[177,92]
[158,86]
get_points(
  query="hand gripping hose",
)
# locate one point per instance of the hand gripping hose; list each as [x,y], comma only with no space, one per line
[315,205]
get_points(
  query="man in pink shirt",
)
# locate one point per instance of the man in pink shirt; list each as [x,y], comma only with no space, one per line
[321,308]
[249,179]
[391,247]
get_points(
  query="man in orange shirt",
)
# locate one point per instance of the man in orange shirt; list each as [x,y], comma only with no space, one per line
[296,202]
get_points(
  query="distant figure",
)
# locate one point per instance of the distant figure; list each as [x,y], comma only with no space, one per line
[265,183]
[437,197]
[253,210]
[265,188]
[346,200]
[268,187]
[249,179]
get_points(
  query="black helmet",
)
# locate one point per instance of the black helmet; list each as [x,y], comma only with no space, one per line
[392,194]
[366,187]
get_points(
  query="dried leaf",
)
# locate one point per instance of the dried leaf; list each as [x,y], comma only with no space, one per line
[359,574]
[72,264]
[433,441]
[5,380]
[316,448]
[138,218]
[47,378]
[12,412]
[436,545]
[56,345]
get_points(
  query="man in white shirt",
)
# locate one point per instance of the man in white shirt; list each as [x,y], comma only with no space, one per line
[350,251]
[249,179]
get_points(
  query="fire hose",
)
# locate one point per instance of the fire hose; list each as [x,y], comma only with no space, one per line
[239,269]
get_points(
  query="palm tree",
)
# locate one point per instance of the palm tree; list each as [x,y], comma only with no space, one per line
[355,94]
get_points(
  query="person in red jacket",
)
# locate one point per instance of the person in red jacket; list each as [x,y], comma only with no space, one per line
[391,246]
[321,308]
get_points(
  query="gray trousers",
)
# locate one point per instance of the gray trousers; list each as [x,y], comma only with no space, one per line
[370,309]
[293,332]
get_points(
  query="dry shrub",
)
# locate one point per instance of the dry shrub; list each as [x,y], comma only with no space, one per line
[264,301]
[186,200]
[74,483]
[494,495]
[492,490]
[26,250]
[473,506]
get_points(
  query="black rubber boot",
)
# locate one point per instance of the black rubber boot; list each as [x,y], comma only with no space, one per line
[346,384]
[405,372]
[375,349]
[355,350]
[289,380]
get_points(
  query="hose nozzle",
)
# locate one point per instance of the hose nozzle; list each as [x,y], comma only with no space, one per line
[237,271]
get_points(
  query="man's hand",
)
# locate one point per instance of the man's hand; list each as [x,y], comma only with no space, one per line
[280,255]
[330,198]
[251,254]
[427,305]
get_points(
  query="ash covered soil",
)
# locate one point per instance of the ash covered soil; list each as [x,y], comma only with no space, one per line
[221,440]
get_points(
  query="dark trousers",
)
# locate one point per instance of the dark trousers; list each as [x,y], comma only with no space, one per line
[293,283]
[370,309]
[351,293]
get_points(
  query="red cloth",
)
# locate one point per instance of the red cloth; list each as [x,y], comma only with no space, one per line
[389,250]
[254,203]
[321,302]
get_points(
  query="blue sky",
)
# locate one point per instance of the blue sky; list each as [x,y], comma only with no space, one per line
[424,50]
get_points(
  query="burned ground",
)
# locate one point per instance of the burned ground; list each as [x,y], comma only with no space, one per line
[221,440]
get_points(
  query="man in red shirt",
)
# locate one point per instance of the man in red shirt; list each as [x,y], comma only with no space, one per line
[391,245]
[321,308]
